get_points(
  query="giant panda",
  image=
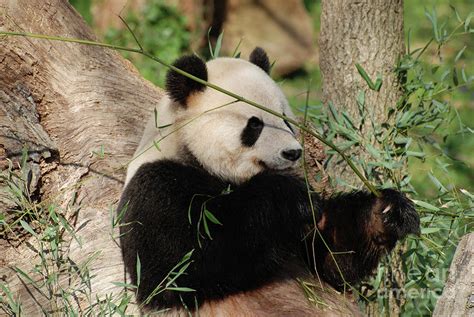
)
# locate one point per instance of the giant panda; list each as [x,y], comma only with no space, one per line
[205,153]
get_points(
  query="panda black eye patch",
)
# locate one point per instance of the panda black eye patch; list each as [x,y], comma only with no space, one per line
[251,131]
[289,126]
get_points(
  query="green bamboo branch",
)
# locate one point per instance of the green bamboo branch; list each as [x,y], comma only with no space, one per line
[157,142]
[208,84]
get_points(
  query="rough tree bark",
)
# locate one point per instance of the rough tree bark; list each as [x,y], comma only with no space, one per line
[370,33]
[366,32]
[458,293]
[63,101]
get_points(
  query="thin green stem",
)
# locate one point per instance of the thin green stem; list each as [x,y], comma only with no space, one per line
[210,85]
[157,142]
[445,90]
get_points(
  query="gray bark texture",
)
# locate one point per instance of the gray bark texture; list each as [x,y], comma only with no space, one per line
[62,101]
[369,33]
[458,294]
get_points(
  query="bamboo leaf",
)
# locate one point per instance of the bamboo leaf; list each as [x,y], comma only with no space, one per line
[437,183]
[27,227]
[434,22]
[402,140]
[455,77]
[187,256]
[177,274]
[211,51]
[458,55]
[458,17]
[217,49]
[468,194]
[364,75]
[180,289]
[211,217]
[206,227]
[468,22]
[406,180]
[373,151]
[334,112]
[463,75]
[348,120]
[378,82]
[426,205]
[236,53]
[415,154]
[157,145]
[271,66]
[429,230]
[444,75]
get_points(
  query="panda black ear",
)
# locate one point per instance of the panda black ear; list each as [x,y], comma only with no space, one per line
[259,57]
[180,87]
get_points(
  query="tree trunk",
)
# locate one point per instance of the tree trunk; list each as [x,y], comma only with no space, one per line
[369,33]
[458,294]
[63,101]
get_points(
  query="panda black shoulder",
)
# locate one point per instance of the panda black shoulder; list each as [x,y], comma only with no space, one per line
[167,175]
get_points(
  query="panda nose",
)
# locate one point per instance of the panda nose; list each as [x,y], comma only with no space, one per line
[291,155]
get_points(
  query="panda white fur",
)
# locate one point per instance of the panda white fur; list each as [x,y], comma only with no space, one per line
[237,162]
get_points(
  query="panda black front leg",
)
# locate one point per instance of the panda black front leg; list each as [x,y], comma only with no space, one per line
[262,227]
[262,221]
[360,228]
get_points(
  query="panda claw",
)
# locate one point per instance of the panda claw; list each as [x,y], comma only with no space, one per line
[387,209]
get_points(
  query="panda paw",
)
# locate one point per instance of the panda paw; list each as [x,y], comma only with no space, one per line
[395,216]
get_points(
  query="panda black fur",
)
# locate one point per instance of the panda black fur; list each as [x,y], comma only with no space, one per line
[265,233]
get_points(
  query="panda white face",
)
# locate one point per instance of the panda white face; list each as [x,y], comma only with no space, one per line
[234,140]
[230,139]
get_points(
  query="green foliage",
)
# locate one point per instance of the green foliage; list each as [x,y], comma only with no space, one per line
[50,233]
[374,86]
[417,131]
[162,32]
[215,52]
[84,8]
[169,282]
[56,280]
[452,63]
[10,305]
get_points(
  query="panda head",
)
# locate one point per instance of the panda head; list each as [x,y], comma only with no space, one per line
[229,138]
